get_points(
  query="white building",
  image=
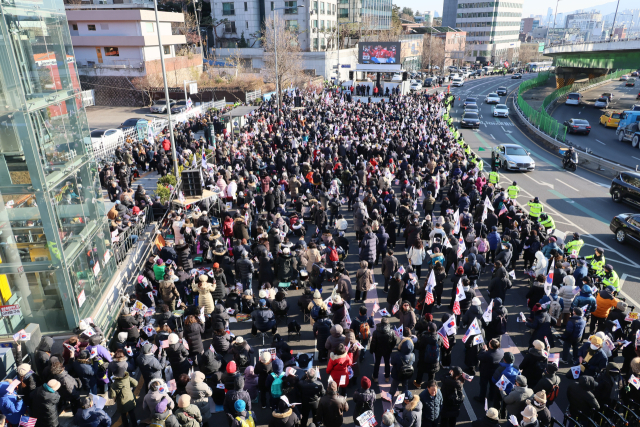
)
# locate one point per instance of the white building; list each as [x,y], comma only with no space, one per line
[492,28]
[584,21]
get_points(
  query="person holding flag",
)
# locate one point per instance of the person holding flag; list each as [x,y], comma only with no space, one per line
[473,344]
[448,334]
[429,345]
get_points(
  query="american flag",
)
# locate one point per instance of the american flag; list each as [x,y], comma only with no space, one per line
[503,210]
[456,307]
[27,422]
[445,339]
[428,300]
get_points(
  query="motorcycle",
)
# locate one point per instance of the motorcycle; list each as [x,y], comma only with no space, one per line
[569,165]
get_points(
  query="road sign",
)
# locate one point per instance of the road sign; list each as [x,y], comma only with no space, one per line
[193,88]
[541,47]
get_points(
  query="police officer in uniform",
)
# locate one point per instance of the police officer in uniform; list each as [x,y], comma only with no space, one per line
[611,278]
[574,245]
[547,221]
[513,190]
[597,261]
[535,208]
[494,177]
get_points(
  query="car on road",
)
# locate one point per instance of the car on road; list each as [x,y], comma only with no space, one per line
[470,120]
[624,78]
[630,82]
[573,98]
[578,126]
[181,106]
[416,86]
[160,106]
[502,91]
[513,157]
[610,119]
[133,122]
[469,101]
[501,110]
[472,108]
[492,98]
[516,76]
[635,107]
[626,188]
[428,82]
[626,227]
[635,74]
[99,134]
[457,82]
[630,132]
[601,102]
[607,95]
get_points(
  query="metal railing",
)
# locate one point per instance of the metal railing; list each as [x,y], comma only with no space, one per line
[572,43]
[253,95]
[540,118]
[125,242]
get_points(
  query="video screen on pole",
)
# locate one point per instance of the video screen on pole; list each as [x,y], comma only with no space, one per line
[379,53]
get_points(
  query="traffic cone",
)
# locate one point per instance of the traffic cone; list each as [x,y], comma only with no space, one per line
[458,98]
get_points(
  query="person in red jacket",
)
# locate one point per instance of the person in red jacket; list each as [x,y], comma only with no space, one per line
[338,367]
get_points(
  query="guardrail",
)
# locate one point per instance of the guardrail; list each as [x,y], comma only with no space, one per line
[106,147]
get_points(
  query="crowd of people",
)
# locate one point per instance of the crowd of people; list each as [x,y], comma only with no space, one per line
[300,197]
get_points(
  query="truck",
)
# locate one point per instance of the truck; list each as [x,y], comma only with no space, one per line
[628,127]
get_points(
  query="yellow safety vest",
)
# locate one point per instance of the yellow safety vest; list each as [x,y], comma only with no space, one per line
[575,245]
[513,191]
[535,209]
[494,177]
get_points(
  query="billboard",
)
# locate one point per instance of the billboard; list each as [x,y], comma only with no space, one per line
[379,53]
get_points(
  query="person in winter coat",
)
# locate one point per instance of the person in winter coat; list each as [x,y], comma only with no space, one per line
[540,266]
[283,415]
[263,370]
[200,392]
[241,351]
[490,419]
[322,331]
[278,373]
[452,395]
[383,341]
[499,282]
[187,414]
[506,368]
[337,337]
[566,293]
[536,291]
[549,383]
[610,385]
[311,391]
[150,366]
[286,267]
[44,405]
[177,356]
[432,403]
[162,414]
[82,367]
[389,266]
[91,416]
[332,406]
[407,316]
[494,242]
[581,397]
[572,336]
[605,301]
[368,246]
[251,382]
[69,390]
[10,405]
[428,344]
[263,319]
[125,400]
[495,328]
[399,361]
[489,358]
[204,290]
[29,381]
[541,323]
[396,287]
[592,357]
[364,398]
[534,363]
[416,256]
[516,399]
[364,281]
[193,331]
[339,362]
[585,297]
[412,412]
[339,311]
[43,354]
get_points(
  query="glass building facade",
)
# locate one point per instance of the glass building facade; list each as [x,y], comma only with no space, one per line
[55,258]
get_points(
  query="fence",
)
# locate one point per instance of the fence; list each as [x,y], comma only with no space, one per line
[88,98]
[106,148]
[541,118]
[253,95]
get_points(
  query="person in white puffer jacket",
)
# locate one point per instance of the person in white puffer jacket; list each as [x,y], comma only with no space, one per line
[566,293]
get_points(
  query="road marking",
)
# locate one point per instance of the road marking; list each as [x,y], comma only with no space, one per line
[589,212]
[601,142]
[574,189]
[467,406]
[635,158]
[492,136]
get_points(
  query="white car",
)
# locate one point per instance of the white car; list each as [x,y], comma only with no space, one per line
[99,134]
[160,106]
[501,110]
[602,102]
[457,82]
[573,99]
[492,98]
[416,86]
[624,78]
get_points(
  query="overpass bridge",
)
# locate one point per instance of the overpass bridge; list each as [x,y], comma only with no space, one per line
[592,59]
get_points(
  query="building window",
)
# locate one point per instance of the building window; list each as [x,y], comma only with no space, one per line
[111,51]
[148,27]
[291,7]
[230,27]
[321,7]
[343,13]
[322,24]
[228,9]
[74,27]
[91,27]
[333,9]
[315,5]
[246,7]
[167,49]
[246,24]
[271,5]
[315,44]
[292,25]
[315,23]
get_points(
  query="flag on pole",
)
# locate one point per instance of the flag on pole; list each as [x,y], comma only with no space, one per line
[487,203]
[503,210]
[431,282]
[27,422]
[549,282]
[488,314]
[456,227]
[461,247]
[460,295]
[484,213]
[445,340]
[450,324]
[456,307]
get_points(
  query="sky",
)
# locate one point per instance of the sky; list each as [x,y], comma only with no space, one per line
[535,7]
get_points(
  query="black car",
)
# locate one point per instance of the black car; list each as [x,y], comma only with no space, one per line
[502,91]
[428,82]
[130,123]
[626,188]
[626,227]
[470,120]
[516,76]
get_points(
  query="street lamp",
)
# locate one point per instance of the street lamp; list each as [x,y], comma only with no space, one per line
[275,49]
[613,27]
[338,29]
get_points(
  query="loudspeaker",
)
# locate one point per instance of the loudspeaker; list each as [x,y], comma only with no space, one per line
[297,101]
[192,183]
[404,76]
[350,75]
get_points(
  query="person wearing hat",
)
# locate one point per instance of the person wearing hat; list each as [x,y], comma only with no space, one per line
[516,400]
[44,404]
[83,368]
[506,368]
[286,267]
[534,363]
[542,411]
[605,301]
[204,289]
[528,417]
[163,415]
[150,366]
[283,415]
[549,383]
[177,355]
[490,419]
[200,392]
[412,411]
[453,396]
[316,304]
[188,414]
[91,416]
[241,416]
[591,357]
[364,398]
[582,400]
[263,369]
[332,407]
[610,386]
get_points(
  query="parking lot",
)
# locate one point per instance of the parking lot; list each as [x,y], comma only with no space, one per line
[112,117]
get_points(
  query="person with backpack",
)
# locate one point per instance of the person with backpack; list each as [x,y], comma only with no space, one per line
[332,407]
[364,398]
[163,416]
[241,351]
[364,281]
[274,382]
[286,267]
[383,341]
[549,383]
[402,364]
[311,391]
[428,344]
[453,396]
[241,416]
[362,326]
[534,363]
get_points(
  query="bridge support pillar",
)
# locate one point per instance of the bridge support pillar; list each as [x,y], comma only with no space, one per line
[564,79]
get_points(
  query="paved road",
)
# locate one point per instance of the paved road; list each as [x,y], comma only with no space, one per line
[603,141]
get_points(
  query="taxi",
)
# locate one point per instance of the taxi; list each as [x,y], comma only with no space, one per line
[610,119]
